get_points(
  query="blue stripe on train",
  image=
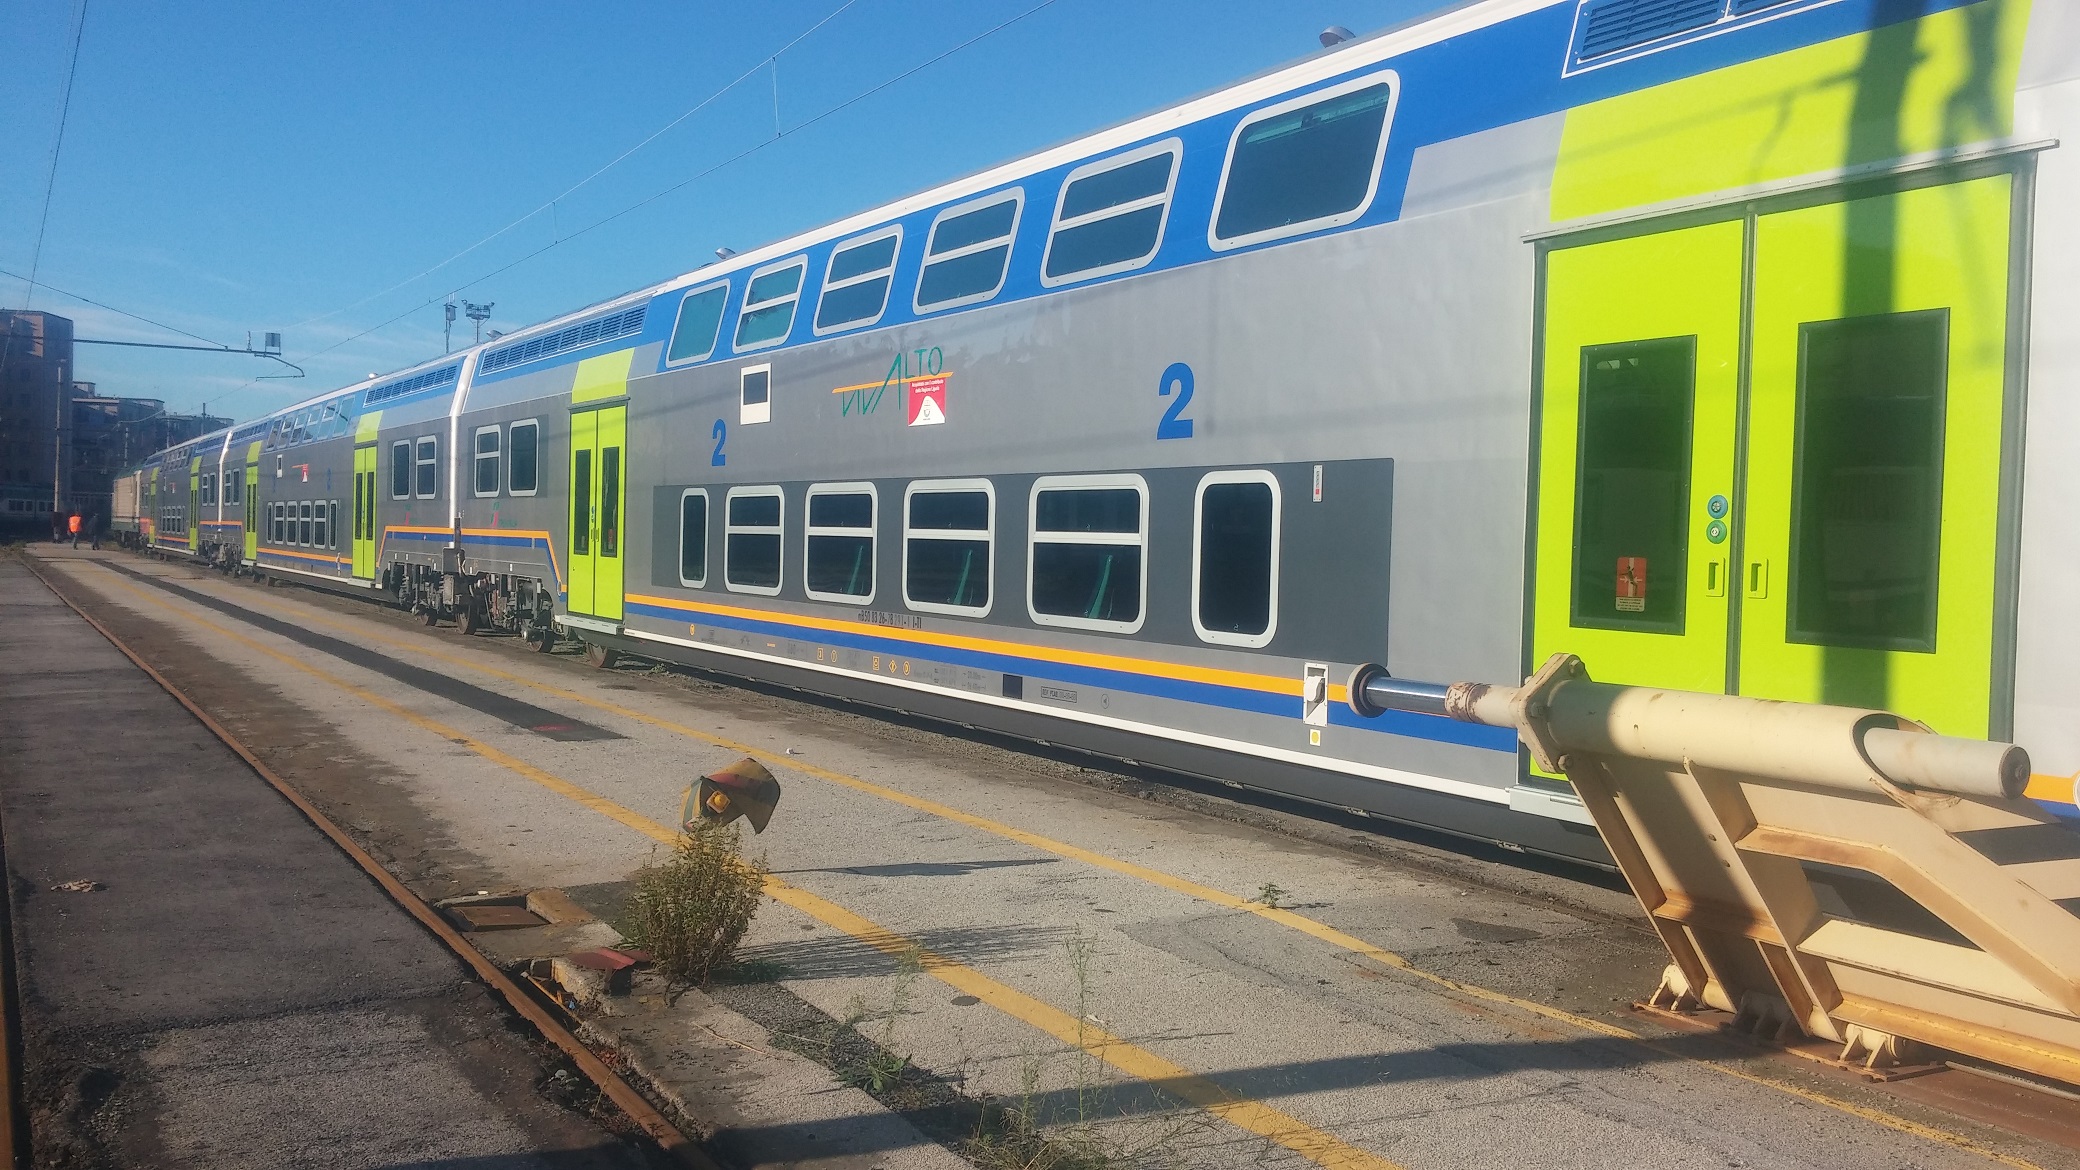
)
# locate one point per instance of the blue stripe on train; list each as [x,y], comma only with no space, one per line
[1429,727]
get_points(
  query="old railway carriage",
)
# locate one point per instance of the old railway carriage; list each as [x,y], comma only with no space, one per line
[1726,343]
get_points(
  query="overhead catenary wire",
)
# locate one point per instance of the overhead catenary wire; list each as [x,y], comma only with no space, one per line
[691,179]
[87,300]
[50,186]
[772,59]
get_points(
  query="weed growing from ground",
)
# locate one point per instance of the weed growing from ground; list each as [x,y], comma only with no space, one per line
[690,910]
[1271,895]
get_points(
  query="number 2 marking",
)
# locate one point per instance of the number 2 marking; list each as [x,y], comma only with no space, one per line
[718,459]
[1172,426]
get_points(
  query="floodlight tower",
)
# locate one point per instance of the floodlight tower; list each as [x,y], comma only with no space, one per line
[479,314]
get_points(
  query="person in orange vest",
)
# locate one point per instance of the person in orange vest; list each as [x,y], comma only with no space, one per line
[72,526]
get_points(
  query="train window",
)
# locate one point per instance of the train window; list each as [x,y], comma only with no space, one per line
[855,284]
[1235,577]
[525,440]
[693,538]
[209,488]
[426,463]
[768,311]
[838,545]
[1632,485]
[581,500]
[275,532]
[755,395]
[332,523]
[1866,513]
[487,452]
[321,532]
[1305,164]
[700,323]
[401,470]
[751,540]
[610,501]
[949,528]
[1110,215]
[968,250]
[1086,534]
[303,523]
[235,494]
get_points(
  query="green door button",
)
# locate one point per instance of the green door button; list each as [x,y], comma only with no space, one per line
[1716,532]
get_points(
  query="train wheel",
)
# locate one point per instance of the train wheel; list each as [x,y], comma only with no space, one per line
[467,622]
[600,657]
[430,616]
[543,641]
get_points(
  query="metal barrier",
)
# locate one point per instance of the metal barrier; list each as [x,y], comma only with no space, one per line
[1817,871]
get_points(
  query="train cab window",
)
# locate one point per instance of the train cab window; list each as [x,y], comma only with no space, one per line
[303,523]
[1866,513]
[968,250]
[769,302]
[1110,215]
[855,284]
[1304,165]
[1084,560]
[751,540]
[838,549]
[426,461]
[401,470]
[524,439]
[1235,578]
[486,461]
[948,531]
[321,531]
[700,323]
[693,538]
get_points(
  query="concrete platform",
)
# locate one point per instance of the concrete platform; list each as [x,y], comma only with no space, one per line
[230,990]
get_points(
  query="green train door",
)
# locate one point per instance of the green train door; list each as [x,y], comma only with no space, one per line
[1636,447]
[195,503]
[252,502]
[1851,557]
[599,439]
[1874,453]
[365,512]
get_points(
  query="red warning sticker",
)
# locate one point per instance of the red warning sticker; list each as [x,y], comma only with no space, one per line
[927,402]
[1632,584]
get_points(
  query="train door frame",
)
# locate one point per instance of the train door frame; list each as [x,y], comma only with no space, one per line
[1975,582]
[194,516]
[598,506]
[364,529]
[252,502]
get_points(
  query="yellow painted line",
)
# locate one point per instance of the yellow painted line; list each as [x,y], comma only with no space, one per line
[1315,1145]
[890,382]
[1271,684]
[1300,922]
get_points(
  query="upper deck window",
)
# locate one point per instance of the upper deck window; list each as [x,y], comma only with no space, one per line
[967,252]
[855,285]
[700,322]
[1306,164]
[1111,213]
[768,311]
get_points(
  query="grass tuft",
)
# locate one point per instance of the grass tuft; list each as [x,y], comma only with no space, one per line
[690,910]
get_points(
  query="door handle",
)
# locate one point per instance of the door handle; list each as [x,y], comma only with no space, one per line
[1758,578]
[1715,578]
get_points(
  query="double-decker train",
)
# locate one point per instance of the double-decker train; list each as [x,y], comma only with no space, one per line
[1728,344]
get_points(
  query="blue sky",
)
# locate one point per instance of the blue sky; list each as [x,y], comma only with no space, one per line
[241,166]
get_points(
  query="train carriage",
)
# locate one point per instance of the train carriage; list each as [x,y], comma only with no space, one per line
[1719,342]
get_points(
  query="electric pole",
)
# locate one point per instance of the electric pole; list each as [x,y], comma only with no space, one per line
[479,314]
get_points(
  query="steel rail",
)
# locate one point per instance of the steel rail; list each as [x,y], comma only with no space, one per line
[619,1091]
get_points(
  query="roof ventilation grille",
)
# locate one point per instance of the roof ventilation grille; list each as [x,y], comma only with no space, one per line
[399,389]
[1623,24]
[608,328]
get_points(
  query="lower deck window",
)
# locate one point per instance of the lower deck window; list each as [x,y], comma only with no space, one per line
[303,523]
[947,535]
[1085,559]
[1235,587]
[751,540]
[693,538]
[838,561]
